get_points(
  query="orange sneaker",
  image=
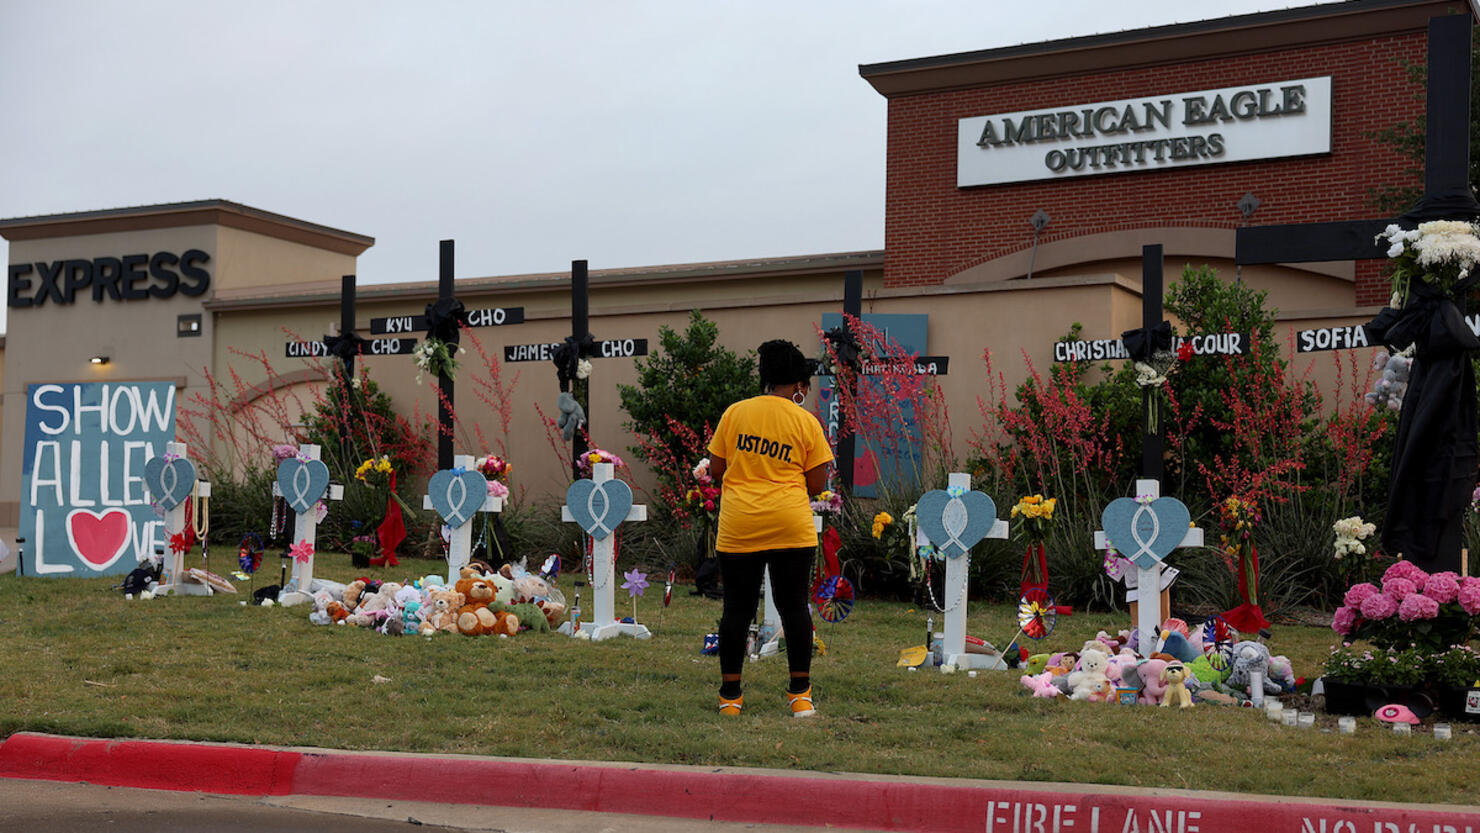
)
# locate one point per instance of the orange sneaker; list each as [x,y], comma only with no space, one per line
[731,707]
[801,704]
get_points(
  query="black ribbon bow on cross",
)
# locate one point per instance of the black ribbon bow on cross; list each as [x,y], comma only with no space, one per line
[568,357]
[845,349]
[1142,343]
[345,346]
[444,317]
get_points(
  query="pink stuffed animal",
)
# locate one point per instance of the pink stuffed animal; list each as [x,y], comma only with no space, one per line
[1152,689]
[1041,685]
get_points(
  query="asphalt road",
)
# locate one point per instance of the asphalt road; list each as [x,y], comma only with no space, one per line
[53,807]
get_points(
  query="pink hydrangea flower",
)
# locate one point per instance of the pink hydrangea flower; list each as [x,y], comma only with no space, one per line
[1417,606]
[1469,595]
[1408,570]
[497,489]
[1399,588]
[1442,587]
[1358,594]
[1344,621]
[1378,607]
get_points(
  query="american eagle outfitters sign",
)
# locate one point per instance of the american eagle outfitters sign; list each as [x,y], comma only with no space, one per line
[1233,124]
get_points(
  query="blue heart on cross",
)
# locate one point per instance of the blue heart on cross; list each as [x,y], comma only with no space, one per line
[457,495]
[169,479]
[1145,533]
[599,507]
[302,482]
[955,523]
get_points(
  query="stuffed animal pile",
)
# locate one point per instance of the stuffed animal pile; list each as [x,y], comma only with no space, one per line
[1184,669]
[483,601]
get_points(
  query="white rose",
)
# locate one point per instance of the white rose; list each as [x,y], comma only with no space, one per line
[1395,250]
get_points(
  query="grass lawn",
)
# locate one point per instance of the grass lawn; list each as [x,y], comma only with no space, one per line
[85,662]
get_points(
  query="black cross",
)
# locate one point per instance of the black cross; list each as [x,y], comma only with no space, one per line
[847,440]
[1446,177]
[581,345]
[1152,320]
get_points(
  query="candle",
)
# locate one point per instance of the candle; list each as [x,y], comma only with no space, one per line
[1288,716]
[1442,731]
[1307,720]
[1347,725]
[1402,729]
[1274,711]
[971,674]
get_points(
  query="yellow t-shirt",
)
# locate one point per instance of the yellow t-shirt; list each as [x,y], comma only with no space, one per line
[768,443]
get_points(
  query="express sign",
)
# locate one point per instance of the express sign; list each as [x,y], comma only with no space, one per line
[127,278]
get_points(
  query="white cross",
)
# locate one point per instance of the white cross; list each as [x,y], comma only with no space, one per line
[305,528]
[954,646]
[1148,579]
[174,524]
[460,548]
[603,623]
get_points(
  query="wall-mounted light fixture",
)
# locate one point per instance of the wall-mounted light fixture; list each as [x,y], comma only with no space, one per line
[99,360]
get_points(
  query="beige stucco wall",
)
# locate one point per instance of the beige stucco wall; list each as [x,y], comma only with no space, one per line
[251,260]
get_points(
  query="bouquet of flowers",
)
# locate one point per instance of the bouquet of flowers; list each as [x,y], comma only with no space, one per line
[704,496]
[375,471]
[1411,608]
[435,356]
[1033,516]
[1349,549]
[1440,253]
[596,455]
[495,469]
[828,504]
[1237,518]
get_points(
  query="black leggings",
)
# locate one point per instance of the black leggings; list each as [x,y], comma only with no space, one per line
[742,573]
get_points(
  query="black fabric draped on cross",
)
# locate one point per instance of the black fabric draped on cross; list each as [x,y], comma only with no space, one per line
[444,317]
[345,346]
[1435,450]
[568,357]
[1142,343]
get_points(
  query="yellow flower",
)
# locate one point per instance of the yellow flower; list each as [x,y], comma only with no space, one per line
[594,457]
[384,466]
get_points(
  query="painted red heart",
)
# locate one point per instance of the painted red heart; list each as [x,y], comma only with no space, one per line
[98,539]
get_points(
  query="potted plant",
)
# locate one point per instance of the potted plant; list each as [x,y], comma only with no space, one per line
[1418,626]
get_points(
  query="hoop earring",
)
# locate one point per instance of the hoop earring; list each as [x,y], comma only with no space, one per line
[798,393]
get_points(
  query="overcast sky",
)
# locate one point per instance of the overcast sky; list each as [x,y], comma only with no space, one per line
[533,133]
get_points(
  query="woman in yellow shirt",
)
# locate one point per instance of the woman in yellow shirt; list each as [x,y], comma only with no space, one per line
[771,455]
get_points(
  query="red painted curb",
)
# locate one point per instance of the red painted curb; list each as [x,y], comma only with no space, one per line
[755,797]
[155,765]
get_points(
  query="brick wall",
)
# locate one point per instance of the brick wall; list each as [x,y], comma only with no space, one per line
[934,230]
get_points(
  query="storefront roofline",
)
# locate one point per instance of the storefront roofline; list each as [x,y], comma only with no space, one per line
[176,214]
[1172,44]
[327,292]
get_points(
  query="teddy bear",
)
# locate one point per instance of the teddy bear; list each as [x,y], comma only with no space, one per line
[475,620]
[1174,675]
[352,593]
[1040,684]
[1086,681]
[505,623]
[440,611]
[503,586]
[374,607]
[337,611]
[1249,657]
[320,614]
[554,611]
